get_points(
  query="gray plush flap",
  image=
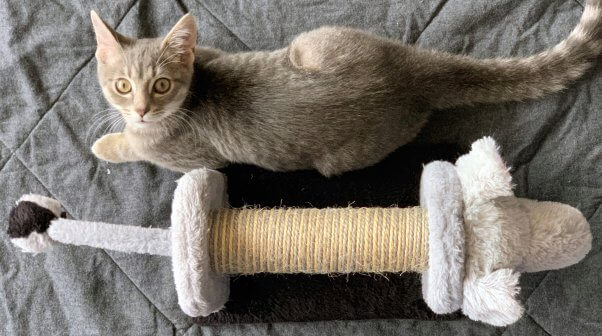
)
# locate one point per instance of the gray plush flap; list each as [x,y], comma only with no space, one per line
[49,97]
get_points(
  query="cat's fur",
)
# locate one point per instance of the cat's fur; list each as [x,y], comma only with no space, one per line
[336,99]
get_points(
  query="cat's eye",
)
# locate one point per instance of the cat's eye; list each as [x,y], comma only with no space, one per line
[162,85]
[123,86]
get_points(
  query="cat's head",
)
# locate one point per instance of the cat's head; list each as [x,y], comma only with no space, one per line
[147,80]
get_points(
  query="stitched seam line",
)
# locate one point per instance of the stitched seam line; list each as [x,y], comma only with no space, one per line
[9,156]
[223,24]
[538,324]
[431,18]
[182,6]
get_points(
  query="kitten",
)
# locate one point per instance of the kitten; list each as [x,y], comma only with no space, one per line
[336,99]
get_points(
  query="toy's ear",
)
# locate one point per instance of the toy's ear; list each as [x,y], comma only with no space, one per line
[483,173]
[492,298]
[181,39]
[107,40]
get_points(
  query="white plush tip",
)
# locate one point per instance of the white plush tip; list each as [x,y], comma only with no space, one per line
[34,243]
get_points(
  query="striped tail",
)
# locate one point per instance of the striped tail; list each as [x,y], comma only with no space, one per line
[464,80]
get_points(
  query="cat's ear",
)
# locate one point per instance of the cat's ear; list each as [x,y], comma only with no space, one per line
[106,39]
[181,39]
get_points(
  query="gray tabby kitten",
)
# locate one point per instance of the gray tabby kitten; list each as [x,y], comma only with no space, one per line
[336,99]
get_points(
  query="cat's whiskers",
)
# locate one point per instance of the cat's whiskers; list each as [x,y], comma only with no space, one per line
[160,55]
[180,127]
[103,119]
[172,118]
[98,121]
[116,125]
[193,122]
[100,118]
[169,59]
[170,62]
[186,123]
[168,46]
[112,125]
[185,110]
[101,112]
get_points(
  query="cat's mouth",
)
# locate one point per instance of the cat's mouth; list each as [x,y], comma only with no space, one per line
[145,122]
[142,122]
[139,122]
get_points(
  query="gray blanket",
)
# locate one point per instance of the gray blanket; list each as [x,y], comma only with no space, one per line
[49,95]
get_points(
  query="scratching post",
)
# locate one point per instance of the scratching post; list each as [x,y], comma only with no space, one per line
[208,241]
[468,238]
[347,240]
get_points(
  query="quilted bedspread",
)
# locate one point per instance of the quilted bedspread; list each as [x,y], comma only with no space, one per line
[49,96]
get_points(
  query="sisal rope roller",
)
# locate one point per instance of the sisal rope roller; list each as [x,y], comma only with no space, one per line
[344,240]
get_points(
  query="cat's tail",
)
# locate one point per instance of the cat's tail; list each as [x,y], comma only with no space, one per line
[465,81]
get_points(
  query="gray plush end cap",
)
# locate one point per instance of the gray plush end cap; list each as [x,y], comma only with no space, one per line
[441,197]
[200,290]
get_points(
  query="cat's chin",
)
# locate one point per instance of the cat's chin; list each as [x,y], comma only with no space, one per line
[143,126]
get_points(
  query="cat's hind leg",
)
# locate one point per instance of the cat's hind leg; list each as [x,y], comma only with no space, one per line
[307,52]
[329,49]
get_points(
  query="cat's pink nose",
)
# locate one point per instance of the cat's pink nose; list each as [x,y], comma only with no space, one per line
[141,112]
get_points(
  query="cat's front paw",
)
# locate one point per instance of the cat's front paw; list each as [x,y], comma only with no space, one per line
[108,148]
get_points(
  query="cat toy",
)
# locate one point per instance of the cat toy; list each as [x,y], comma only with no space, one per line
[470,238]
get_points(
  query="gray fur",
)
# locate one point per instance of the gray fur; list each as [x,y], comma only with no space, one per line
[336,99]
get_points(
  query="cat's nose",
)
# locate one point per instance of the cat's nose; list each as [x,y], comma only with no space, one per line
[141,111]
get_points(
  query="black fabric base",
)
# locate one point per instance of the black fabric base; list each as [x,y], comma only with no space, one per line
[302,297]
